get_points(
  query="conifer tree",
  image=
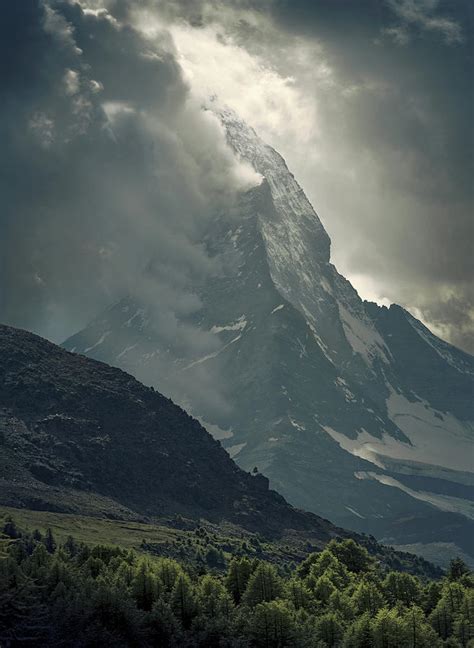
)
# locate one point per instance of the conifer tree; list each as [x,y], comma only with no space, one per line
[457,569]
[10,529]
[353,556]
[167,571]
[210,594]
[417,633]
[388,629]
[161,627]
[272,626]
[367,598]
[238,575]
[49,541]
[323,588]
[360,633]
[401,587]
[183,602]
[298,594]
[263,585]
[144,587]
[329,629]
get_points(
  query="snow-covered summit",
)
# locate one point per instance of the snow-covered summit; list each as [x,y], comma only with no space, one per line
[298,252]
[297,225]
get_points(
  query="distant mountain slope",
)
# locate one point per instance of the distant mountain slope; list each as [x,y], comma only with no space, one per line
[353,411]
[78,435]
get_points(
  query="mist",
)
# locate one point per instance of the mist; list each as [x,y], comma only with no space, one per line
[111,172]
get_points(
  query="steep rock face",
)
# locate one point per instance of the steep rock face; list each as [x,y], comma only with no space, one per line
[353,411]
[77,435]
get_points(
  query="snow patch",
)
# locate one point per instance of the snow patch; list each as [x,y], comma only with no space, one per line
[441,502]
[140,312]
[218,433]
[277,308]
[238,325]
[125,351]
[434,442]
[98,343]
[235,449]
[319,341]
[362,337]
[303,353]
[354,512]
[209,356]
[437,438]
[234,236]
[364,445]
[295,424]
[348,395]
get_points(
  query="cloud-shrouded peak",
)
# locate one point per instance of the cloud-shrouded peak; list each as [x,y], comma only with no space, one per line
[371,107]
[113,163]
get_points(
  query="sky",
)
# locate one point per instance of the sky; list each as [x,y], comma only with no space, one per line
[110,161]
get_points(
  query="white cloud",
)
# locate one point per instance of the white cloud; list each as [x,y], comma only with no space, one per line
[269,101]
[56,25]
[71,82]
[369,289]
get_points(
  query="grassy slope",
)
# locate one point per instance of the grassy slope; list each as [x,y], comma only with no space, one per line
[162,538]
[90,530]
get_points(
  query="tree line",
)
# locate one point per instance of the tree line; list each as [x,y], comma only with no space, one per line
[75,595]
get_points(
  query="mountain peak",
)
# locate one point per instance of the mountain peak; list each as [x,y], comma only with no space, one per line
[297,222]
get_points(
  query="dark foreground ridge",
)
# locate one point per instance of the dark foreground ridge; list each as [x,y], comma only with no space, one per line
[80,436]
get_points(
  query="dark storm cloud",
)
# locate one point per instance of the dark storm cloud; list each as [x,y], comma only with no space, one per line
[100,166]
[109,173]
[409,120]
[107,165]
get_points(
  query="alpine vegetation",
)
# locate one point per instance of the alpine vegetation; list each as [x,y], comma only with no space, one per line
[76,595]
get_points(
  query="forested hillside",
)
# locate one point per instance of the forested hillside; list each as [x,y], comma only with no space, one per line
[74,595]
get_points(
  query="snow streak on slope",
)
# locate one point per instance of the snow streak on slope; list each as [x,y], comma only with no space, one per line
[442,502]
[434,438]
[362,336]
[437,438]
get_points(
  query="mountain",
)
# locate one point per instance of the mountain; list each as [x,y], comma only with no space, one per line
[353,411]
[79,436]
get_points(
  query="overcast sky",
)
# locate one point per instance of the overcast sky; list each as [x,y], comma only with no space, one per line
[370,103]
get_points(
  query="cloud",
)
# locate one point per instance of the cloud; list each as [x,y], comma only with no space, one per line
[112,163]
[269,100]
[113,172]
[422,16]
